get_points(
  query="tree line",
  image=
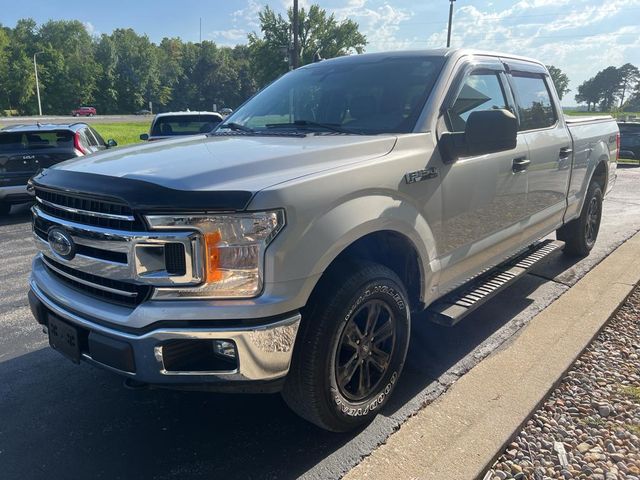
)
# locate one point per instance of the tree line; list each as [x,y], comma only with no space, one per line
[614,88]
[123,71]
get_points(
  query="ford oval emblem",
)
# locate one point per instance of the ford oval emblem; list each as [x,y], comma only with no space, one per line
[61,243]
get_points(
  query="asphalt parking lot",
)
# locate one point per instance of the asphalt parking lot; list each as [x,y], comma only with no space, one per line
[59,420]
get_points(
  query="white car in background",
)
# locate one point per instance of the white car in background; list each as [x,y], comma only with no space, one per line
[173,124]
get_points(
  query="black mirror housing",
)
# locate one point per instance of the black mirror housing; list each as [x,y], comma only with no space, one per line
[144,136]
[487,131]
[111,143]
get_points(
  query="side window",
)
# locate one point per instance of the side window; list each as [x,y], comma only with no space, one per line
[534,102]
[98,137]
[90,138]
[480,91]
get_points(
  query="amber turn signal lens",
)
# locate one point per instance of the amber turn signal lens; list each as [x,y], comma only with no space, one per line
[212,252]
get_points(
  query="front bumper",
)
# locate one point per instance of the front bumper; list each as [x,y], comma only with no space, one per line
[263,350]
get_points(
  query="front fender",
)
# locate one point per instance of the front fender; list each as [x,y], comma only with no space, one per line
[305,253]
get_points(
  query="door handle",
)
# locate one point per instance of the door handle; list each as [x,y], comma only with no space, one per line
[520,164]
[565,152]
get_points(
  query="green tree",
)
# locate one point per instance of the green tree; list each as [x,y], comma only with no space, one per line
[560,80]
[589,94]
[630,76]
[67,68]
[319,32]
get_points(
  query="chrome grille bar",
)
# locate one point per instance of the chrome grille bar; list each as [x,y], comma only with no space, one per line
[86,282]
[78,211]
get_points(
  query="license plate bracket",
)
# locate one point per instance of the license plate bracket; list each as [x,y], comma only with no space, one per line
[64,338]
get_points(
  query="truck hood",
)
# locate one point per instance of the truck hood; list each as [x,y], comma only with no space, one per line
[219,163]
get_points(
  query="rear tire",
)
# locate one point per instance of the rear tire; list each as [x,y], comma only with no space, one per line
[351,347]
[580,235]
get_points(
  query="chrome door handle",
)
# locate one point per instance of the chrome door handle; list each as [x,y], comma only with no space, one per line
[565,152]
[520,164]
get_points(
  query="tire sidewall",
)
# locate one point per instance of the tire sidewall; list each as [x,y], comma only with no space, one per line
[594,191]
[345,410]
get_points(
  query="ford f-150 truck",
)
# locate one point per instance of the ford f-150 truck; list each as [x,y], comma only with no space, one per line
[290,249]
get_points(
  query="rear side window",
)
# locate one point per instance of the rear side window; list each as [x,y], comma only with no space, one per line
[25,141]
[480,91]
[534,102]
[98,136]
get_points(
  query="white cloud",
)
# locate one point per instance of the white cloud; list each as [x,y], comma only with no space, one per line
[247,16]
[90,28]
[381,24]
[231,36]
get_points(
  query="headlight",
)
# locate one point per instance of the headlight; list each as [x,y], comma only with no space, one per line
[231,251]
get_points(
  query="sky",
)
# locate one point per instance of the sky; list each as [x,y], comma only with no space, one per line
[579,36]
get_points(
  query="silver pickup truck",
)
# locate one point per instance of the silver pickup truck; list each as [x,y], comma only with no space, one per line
[290,249]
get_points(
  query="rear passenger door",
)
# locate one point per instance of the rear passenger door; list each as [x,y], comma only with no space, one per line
[542,124]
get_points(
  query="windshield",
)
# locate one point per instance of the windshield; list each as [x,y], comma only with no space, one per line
[360,95]
[24,141]
[185,124]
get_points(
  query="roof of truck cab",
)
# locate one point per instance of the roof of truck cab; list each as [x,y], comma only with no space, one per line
[43,127]
[438,52]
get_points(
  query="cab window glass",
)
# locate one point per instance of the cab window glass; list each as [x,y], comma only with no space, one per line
[480,91]
[534,102]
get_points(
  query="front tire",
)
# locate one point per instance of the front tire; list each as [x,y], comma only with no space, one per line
[580,235]
[351,347]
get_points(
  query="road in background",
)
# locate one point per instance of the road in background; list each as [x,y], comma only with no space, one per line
[6,121]
[60,420]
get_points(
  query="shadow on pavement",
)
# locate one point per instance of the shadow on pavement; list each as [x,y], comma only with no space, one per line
[19,214]
[59,420]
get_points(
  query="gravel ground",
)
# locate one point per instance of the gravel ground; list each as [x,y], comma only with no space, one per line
[589,426]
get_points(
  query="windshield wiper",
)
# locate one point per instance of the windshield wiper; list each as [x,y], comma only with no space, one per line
[332,127]
[237,127]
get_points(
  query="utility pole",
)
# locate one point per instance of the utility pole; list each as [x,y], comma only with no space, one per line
[35,66]
[450,22]
[296,40]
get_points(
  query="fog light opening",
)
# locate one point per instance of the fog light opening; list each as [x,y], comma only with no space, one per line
[225,349]
[194,356]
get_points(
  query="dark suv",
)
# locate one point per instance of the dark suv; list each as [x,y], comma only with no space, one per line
[629,140]
[25,149]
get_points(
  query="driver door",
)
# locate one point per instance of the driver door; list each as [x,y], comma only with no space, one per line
[483,197]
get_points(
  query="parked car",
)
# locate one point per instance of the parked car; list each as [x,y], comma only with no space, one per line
[84,112]
[291,249]
[174,124]
[225,112]
[143,112]
[27,149]
[629,140]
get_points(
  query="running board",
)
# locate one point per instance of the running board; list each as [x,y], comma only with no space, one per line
[456,305]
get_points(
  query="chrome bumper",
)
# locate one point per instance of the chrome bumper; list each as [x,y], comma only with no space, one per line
[263,351]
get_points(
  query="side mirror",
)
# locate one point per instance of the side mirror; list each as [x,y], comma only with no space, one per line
[486,131]
[111,143]
[144,136]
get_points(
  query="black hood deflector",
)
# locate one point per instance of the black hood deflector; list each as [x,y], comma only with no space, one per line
[139,194]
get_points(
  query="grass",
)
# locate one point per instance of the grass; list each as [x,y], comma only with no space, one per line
[631,392]
[125,133]
[580,113]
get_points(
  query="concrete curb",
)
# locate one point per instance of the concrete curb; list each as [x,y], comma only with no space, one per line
[459,435]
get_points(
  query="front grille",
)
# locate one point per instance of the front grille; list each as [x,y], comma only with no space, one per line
[41,228]
[88,211]
[81,280]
